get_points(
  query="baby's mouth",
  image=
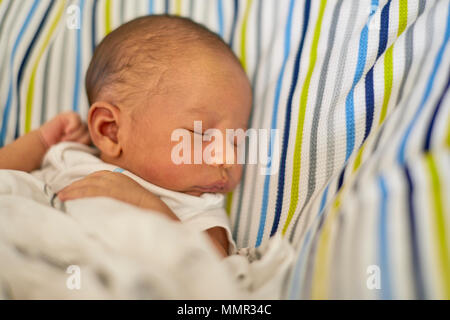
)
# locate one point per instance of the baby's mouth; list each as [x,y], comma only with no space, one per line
[218,186]
[221,185]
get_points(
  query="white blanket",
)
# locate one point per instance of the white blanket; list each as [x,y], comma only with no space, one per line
[105,249]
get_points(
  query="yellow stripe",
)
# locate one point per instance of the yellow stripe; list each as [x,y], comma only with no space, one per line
[30,92]
[388,71]
[321,275]
[439,230]
[403,16]
[359,158]
[388,75]
[108,28]
[243,60]
[322,262]
[389,61]
[178,7]
[244,35]
[301,119]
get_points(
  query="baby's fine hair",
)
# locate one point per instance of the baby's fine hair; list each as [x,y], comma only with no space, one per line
[144,48]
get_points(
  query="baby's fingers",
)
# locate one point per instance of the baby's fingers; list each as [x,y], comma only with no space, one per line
[85,138]
[78,192]
[71,120]
[77,135]
[88,182]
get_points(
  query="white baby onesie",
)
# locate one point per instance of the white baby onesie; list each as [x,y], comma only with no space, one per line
[67,162]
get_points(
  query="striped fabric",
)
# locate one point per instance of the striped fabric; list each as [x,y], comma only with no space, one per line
[359,91]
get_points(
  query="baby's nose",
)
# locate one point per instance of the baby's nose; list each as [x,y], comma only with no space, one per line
[223,165]
[220,162]
[222,159]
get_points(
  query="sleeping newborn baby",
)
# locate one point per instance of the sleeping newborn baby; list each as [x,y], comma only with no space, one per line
[148,78]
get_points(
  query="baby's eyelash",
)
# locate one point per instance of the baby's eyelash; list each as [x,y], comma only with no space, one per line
[235,142]
[201,133]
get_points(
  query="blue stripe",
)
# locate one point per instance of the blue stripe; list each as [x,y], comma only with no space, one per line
[415,256]
[383,243]
[233,26]
[384,28]
[220,15]
[254,86]
[287,47]
[287,121]
[349,101]
[321,218]
[24,63]
[341,178]
[13,54]
[370,102]
[309,244]
[167,6]
[433,118]
[76,93]
[324,199]
[94,20]
[368,83]
[8,101]
[301,261]
[401,153]
[298,281]
[150,6]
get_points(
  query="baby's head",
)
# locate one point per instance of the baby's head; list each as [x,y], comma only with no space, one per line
[154,75]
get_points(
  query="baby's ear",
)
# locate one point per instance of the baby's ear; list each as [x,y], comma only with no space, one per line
[103,122]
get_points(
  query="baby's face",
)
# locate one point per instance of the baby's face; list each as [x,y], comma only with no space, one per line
[212,89]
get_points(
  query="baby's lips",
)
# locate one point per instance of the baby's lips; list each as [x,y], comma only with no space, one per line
[218,186]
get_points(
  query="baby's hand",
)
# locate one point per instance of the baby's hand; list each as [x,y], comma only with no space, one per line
[121,187]
[66,126]
[115,185]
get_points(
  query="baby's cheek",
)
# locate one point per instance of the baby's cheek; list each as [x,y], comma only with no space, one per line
[165,170]
[171,176]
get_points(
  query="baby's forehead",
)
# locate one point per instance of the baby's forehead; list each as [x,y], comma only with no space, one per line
[145,61]
[143,47]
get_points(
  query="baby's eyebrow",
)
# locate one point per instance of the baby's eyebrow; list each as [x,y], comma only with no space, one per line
[201,110]
[213,115]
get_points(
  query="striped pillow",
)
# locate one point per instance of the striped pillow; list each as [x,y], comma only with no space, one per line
[359,93]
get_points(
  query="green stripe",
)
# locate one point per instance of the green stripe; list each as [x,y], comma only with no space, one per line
[301,118]
[358,159]
[243,60]
[439,231]
[107,17]
[403,16]
[388,75]
[30,92]
[244,35]
[388,59]
[178,7]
